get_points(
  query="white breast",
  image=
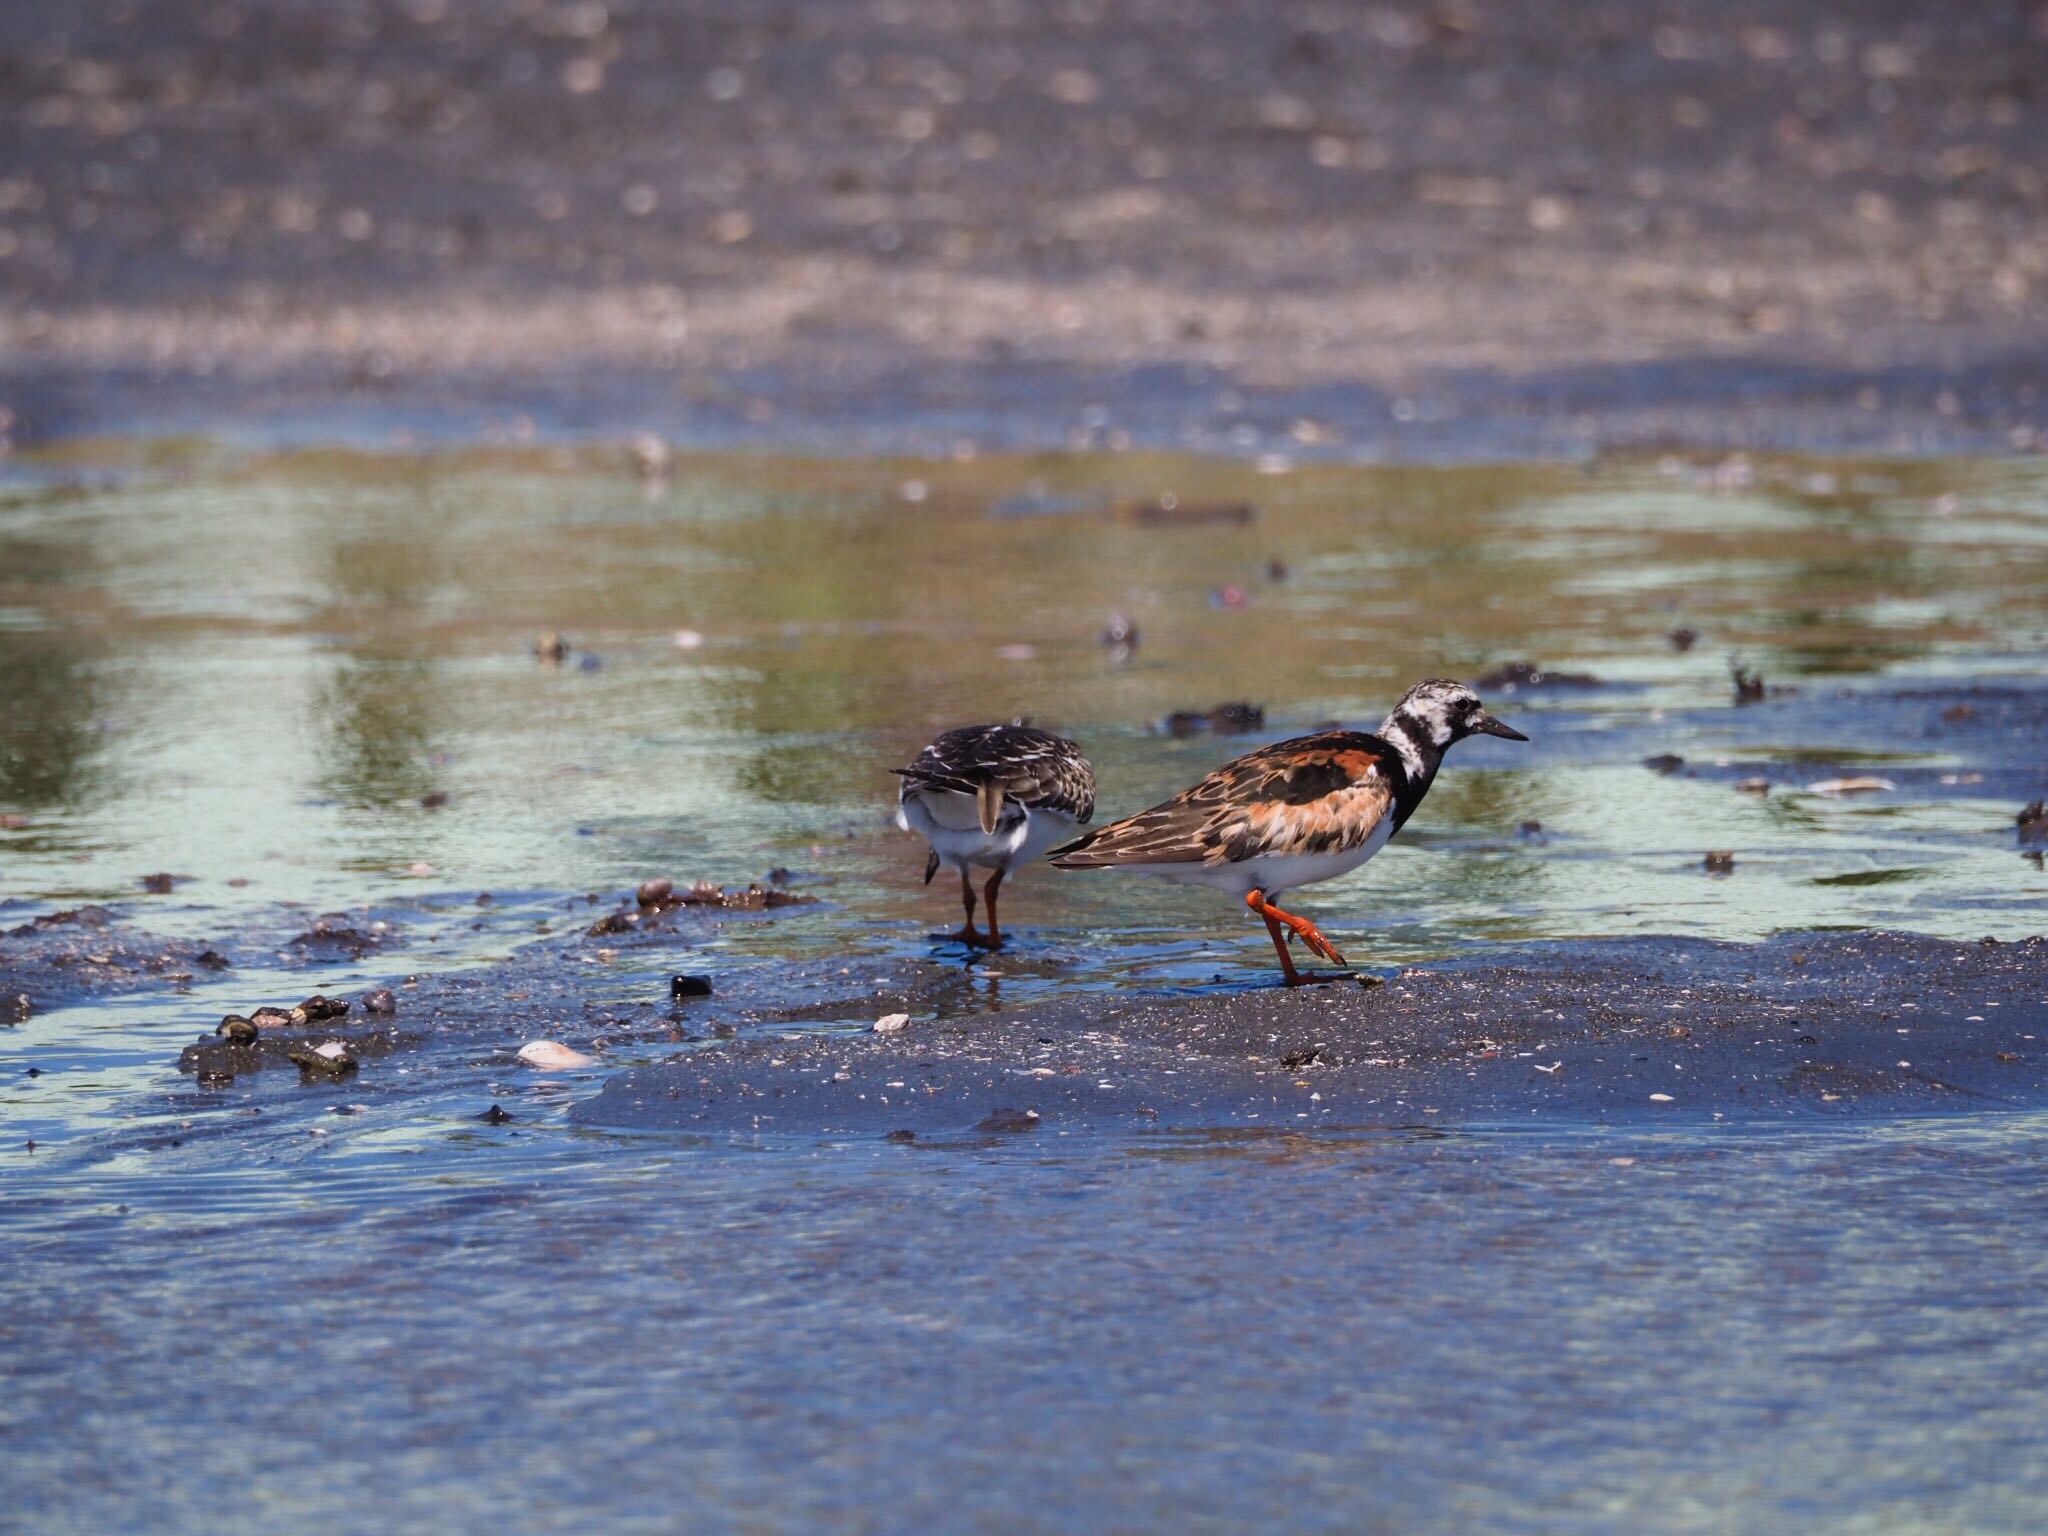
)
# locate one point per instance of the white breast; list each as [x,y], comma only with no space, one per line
[951,823]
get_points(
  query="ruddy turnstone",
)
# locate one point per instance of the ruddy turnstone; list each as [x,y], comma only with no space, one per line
[1296,812]
[995,796]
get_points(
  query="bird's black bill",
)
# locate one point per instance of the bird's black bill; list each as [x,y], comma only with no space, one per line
[1486,725]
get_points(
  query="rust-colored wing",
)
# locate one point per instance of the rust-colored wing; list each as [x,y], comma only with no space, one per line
[1315,794]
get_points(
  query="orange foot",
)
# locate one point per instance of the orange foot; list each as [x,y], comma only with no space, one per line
[1282,925]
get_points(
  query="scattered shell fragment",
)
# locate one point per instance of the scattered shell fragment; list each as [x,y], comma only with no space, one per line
[1661,1098]
[553,1056]
[330,1059]
[1857,784]
[892,1023]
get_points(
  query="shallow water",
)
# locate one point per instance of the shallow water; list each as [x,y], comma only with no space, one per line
[248,671]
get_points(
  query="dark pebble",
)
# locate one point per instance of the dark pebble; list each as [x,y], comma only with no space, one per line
[652,893]
[1513,676]
[1682,639]
[1170,511]
[237,1029]
[1664,762]
[902,1138]
[1749,686]
[158,885]
[35,1071]
[318,1007]
[1233,719]
[212,960]
[2033,823]
[272,1018]
[689,986]
[1009,1120]
[15,1008]
[1301,1058]
[497,1114]
[1530,829]
[433,799]
[1955,714]
[380,1001]
[1719,862]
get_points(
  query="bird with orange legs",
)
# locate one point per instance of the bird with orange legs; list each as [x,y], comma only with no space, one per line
[1294,813]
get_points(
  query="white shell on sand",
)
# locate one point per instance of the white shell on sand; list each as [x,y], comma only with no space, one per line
[552,1056]
[890,1023]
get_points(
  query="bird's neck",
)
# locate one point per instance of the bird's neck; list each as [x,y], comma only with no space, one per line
[1416,744]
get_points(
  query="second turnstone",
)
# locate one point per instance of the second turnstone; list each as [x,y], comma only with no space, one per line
[993,797]
[1294,813]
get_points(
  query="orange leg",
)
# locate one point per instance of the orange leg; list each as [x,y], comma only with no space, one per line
[1308,932]
[995,936]
[967,933]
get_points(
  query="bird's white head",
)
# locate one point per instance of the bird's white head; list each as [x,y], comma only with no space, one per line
[1438,712]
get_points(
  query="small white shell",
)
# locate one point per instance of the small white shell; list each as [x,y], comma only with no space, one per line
[892,1023]
[333,1050]
[552,1056]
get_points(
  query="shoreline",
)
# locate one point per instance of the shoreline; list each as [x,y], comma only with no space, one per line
[903,406]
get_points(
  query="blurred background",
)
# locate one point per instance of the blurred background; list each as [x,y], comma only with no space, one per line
[1511,226]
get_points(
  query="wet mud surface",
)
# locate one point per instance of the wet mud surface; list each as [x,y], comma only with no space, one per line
[1620,1031]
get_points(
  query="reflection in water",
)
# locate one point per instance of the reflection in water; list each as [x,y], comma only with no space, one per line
[50,699]
[382,722]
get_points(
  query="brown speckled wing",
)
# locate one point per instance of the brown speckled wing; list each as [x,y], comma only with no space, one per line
[1032,767]
[1314,794]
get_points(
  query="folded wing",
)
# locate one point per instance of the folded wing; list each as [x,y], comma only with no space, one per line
[1314,794]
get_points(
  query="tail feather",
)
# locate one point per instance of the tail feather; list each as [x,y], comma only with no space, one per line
[1158,836]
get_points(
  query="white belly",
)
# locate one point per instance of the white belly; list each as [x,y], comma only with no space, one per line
[951,823]
[1275,874]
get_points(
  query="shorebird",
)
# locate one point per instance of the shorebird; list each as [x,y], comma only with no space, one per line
[1294,813]
[993,796]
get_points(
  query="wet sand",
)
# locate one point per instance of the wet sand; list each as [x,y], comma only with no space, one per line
[1643,1030]
[1450,228]
[1608,1032]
